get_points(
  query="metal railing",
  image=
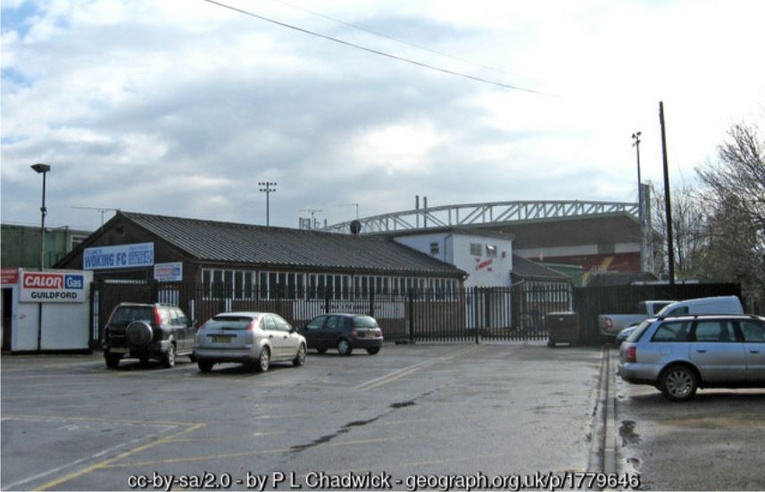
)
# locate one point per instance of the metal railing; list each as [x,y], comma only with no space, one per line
[470,314]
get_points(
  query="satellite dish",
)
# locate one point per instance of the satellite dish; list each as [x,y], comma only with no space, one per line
[355,227]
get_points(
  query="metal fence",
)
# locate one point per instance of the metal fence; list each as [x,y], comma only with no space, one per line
[463,315]
[470,314]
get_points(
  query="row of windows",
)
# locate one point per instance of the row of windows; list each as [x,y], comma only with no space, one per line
[476,249]
[709,331]
[240,284]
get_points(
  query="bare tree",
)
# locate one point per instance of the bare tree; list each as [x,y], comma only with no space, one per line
[734,197]
[689,226]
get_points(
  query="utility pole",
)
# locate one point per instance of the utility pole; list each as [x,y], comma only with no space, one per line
[667,200]
[267,188]
[641,208]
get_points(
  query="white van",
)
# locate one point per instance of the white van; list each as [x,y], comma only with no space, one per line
[704,305]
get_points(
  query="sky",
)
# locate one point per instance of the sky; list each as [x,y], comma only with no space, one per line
[182,107]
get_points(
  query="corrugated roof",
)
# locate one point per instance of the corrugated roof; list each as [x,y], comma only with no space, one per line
[529,269]
[244,243]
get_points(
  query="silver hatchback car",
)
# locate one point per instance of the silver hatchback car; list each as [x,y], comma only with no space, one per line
[252,338]
[678,355]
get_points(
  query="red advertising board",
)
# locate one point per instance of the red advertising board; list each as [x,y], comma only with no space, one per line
[9,276]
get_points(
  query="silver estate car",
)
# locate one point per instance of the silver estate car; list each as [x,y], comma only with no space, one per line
[252,338]
[678,355]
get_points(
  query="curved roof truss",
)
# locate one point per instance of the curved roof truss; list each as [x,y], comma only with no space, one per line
[474,214]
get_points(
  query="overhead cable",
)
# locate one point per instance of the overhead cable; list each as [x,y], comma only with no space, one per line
[374,51]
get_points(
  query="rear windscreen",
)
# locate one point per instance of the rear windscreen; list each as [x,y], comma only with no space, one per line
[229,322]
[128,314]
[364,322]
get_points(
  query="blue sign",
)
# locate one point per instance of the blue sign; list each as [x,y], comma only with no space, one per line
[122,256]
[74,281]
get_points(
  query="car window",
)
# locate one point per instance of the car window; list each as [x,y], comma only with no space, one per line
[181,318]
[173,315]
[281,324]
[364,322]
[754,331]
[316,323]
[333,323]
[638,332]
[672,332]
[269,323]
[715,331]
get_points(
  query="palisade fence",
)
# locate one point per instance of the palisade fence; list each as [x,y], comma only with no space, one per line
[467,315]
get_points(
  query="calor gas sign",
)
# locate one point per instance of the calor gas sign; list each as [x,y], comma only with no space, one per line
[52,287]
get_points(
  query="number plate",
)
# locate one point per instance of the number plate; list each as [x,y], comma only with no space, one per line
[119,350]
[221,338]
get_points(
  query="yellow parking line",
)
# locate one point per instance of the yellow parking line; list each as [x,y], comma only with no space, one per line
[106,463]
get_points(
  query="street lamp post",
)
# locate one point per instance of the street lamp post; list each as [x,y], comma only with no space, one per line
[42,169]
[266,187]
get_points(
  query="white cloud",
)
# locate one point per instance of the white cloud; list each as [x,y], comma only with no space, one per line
[181,107]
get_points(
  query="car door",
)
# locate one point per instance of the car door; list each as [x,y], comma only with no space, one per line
[312,332]
[289,340]
[753,332]
[717,352]
[275,337]
[332,330]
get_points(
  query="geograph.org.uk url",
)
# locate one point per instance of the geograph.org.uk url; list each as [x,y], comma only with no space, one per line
[551,481]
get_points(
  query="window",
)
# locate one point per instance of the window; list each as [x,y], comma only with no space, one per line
[325,286]
[333,323]
[316,323]
[281,324]
[491,250]
[281,285]
[715,331]
[75,240]
[672,332]
[228,284]
[753,331]
[476,249]
[269,323]
[435,249]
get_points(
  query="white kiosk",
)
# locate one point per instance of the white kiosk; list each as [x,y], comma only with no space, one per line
[46,311]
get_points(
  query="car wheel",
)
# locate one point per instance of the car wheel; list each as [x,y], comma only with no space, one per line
[168,358]
[193,357]
[373,350]
[205,366]
[264,360]
[112,360]
[299,359]
[344,347]
[678,383]
[321,350]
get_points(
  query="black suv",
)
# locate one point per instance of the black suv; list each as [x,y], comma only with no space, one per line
[148,331]
[343,331]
